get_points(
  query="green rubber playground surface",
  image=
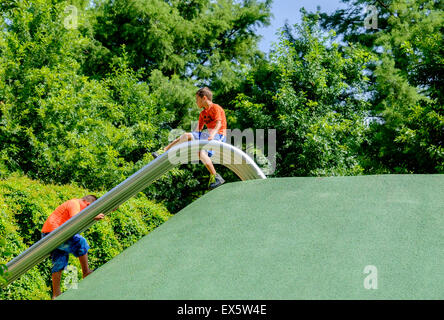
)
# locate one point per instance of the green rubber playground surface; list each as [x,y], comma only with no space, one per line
[290,238]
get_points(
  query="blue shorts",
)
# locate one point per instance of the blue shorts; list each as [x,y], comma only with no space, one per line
[77,246]
[199,135]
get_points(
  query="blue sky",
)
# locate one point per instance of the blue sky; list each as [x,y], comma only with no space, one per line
[288,10]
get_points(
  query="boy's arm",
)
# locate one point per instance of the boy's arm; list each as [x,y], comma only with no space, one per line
[215,130]
[74,208]
[100,216]
[218,116]
[199,125]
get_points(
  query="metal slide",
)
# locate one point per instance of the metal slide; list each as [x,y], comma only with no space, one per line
[225,154]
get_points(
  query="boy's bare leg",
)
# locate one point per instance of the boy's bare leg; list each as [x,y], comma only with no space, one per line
[84,263]
[203,156]
[56,276]
[183,138]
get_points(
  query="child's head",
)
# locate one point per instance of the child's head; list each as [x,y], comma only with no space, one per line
[204,97]
[89,198]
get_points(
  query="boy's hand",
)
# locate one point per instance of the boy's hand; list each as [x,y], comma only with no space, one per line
[210,137]
[99,217]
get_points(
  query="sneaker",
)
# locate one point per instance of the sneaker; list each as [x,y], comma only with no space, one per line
[212,180]
[216,181]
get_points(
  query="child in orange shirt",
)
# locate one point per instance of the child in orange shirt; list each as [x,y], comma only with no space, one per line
[213,116]
[77,245]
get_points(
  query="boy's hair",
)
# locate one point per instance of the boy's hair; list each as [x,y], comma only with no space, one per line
[90,198]
[205,92]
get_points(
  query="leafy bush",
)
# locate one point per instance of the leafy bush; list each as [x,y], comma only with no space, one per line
[24,206]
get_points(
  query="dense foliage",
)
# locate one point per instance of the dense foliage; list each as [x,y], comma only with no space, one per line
[406,90]
[24,206]
[54,119]
[311,92]
[346,99]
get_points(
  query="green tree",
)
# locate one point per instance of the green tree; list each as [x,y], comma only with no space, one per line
[208,40]
[58,125]
[407,82]
[198,42]
[312,94]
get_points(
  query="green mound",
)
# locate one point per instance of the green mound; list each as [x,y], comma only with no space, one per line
[290,238]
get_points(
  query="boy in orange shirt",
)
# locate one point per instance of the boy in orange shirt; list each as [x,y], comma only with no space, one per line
[77,245]
[213,116]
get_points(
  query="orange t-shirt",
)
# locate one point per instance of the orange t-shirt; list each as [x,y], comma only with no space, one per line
[209,117]
[63,213]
